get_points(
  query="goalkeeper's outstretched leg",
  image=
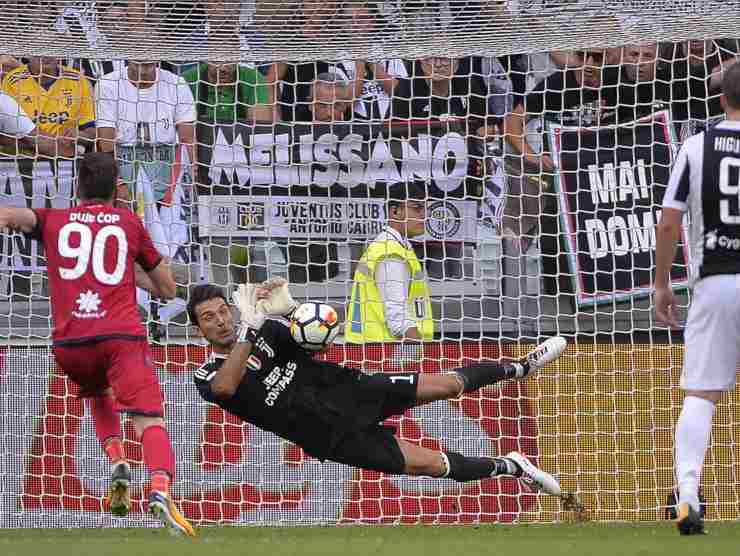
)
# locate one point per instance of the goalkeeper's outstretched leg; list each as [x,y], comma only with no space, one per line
[456,382]
[378,450]
[451,465]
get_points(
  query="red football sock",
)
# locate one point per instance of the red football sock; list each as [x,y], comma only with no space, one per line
[107,426]
[158,455]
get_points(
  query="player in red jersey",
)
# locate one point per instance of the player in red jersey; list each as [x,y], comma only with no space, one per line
[93,251]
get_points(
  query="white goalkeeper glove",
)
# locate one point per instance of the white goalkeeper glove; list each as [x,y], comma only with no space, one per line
[279,301]
[252,318]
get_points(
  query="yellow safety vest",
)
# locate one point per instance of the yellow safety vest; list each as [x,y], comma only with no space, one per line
[366,315]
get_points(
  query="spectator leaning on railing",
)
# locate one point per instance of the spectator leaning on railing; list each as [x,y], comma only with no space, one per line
[143,112]
[570,97]
[226,93]
[584,95]
[58,98]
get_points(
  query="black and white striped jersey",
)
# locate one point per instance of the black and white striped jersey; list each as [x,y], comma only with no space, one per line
[705,181]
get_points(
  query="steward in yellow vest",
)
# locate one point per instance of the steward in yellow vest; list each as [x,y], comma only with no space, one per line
[390,296]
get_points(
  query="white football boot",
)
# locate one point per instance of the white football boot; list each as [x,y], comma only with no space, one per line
[545,353]
[533,477]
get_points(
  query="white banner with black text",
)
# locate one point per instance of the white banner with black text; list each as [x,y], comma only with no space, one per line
[322,218]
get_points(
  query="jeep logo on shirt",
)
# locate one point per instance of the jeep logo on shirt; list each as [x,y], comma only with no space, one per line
[277,381]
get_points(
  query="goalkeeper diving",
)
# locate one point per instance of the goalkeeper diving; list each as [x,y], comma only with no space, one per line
[261,374]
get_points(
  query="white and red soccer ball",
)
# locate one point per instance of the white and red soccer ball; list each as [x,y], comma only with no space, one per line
[314,325]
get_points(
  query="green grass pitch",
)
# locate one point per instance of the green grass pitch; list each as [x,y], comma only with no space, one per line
[592,539]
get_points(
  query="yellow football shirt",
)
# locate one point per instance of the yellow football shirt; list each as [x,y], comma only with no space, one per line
[68,103]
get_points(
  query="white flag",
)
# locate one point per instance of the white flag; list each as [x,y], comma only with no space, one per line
[147,210]
[172,214]
[167,225]
[494,196]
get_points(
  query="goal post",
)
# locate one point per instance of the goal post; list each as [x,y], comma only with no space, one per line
[282,181]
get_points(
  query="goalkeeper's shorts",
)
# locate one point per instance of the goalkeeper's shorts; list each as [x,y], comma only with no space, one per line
[375,397]
[374,448]
[394,392]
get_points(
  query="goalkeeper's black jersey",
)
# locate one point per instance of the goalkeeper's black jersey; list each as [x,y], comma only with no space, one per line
[286,391]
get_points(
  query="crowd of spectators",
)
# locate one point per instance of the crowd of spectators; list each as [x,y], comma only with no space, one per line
[136,105]
[497,95]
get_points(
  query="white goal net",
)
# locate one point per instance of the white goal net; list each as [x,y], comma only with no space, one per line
[260,139]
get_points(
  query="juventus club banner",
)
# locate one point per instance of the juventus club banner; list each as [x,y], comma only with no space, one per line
[305,180]
[322,218]
[611,182]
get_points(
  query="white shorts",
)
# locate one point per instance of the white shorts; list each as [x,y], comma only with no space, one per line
[712,334]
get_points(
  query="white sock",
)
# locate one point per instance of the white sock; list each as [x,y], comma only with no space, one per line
[693,431]
[446,464]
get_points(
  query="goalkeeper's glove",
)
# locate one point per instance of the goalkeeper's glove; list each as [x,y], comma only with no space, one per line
[278,301]
[252,318]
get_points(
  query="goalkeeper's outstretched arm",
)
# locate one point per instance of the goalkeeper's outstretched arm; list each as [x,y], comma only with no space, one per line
[231,373]
[255,303]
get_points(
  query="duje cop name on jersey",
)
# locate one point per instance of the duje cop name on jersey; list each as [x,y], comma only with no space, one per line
[100,218]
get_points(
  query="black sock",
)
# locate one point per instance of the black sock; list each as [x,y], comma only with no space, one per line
[463,469]
[484,374]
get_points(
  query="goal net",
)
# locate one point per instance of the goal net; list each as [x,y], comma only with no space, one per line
[260,139]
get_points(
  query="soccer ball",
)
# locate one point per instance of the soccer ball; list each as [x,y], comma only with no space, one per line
[314,325]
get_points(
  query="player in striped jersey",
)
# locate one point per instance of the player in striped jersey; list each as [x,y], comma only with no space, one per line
[705,181]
